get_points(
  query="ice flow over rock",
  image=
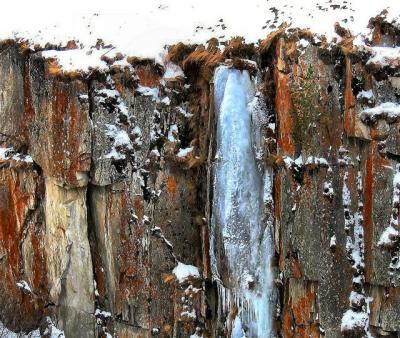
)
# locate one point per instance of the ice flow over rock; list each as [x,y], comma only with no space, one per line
[241,243]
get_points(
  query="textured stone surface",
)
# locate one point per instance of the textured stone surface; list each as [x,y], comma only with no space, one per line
[12,95]
[69,274]
[22,249]
[61,127]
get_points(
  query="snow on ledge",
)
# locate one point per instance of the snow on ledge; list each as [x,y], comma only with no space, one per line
[366,94]
[389,110]
[184,271]
[384,56]
[143,31]
[23,285]
[353,320]
[184,152]
[388,237]
[77,59]
[173,71]
[10,154]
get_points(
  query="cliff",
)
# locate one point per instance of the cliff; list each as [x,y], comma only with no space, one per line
[109,179]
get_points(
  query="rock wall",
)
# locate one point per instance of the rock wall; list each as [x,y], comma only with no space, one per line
[106,183]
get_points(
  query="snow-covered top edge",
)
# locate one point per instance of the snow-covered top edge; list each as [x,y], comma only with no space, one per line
[144,31]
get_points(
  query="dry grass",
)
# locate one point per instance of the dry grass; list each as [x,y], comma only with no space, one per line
[341,31]
[177,53]
[202,62]
[237,48]
[270,40]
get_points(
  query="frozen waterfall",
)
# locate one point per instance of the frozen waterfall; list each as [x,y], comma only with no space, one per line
[241,241]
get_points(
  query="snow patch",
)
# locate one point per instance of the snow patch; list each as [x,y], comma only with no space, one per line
[120,138]
[353,320]
[102,313]
[78,59]
[184,152]
[173,71]
[332,242]
[384,110]
[155,152]
[328,190]
[10,154]
[51,331]
[149,91]
[102,94]
[166,100]
[184,112]
[299,162]
[6,333]
[184,271]
[173,133]
[366,94]
[383,55]
[23,285]
[196,336]
[388,237]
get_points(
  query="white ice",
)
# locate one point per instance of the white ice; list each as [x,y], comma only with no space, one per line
[237,214]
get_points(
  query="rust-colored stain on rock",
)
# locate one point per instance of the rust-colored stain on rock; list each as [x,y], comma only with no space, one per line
[171,185]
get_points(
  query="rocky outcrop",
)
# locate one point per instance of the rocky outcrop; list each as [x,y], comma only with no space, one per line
[106,188]
[69,261]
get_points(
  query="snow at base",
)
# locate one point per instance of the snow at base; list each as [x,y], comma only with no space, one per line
[4,332]
[183,271]
[52,331]
[195,336]
[144,30]
[51,328]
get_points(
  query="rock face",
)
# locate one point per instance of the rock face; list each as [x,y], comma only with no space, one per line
[107,186]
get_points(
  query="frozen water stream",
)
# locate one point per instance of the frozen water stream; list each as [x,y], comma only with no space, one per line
[241,243]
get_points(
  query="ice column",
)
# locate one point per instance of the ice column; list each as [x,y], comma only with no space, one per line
[241,243]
